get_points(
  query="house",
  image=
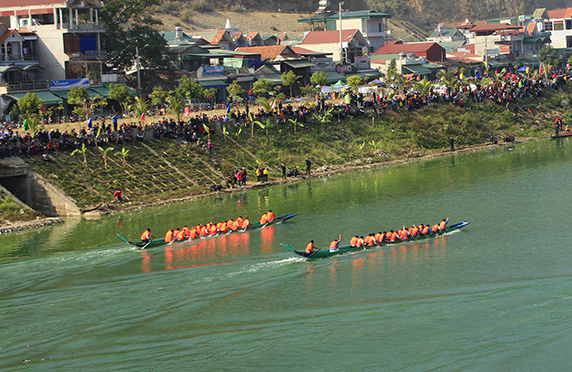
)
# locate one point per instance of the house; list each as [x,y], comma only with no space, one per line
[559,24]
[431,51]
[442,34]
[68,35]
[254,39]
[498,39]
[371,24]
[48,46]
[344,45]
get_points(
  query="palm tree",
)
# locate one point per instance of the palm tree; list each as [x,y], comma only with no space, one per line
[82,151]
[265,125]
[123,153]
[325,118]
[447,78]
[104,153]
[423,86]
[295,124]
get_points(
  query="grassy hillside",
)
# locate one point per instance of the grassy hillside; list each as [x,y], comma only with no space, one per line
[159,170]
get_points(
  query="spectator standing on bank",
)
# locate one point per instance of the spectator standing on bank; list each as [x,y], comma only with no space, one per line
[308,165]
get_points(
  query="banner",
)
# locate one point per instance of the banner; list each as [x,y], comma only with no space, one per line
[56,85]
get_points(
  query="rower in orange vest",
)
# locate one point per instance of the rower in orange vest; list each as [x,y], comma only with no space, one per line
[392,235]
[360,243]
[335,244]
[311,248]
[179,234]
[443,224]
[368,240]
[146,236]
[435,228]
[353,241]
[236,225]
[239,220]
[222,227]
[193,234]
[270,216]
[169,236]
[186,232]
[378,237]
[426,230]
[263,219]
[245,224]
[212,229]
[229,224]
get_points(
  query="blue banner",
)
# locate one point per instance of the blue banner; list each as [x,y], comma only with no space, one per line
[56,85]
[213,70]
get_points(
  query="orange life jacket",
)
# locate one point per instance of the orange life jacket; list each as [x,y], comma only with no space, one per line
[186,232]
[353,241]
[426,230]
[309,247]
[442,225]
[179,234]
[368,240]
[169,236]
[193,234]
[378,237]
[229,224]
[263,219]
[334,245]
[393,236]
[212,230]
[145,235]
[270,216]
[245,224]
[434,228]
[236,225]
[222,227]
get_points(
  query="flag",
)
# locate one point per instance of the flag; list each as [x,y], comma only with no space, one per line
[142,116]
[228,108]
[44,109]
[273,105]
[89,123]
[540,69]
[477,75]
[26,124]
[249,92]
[527,70]
[187,111]
[461,76]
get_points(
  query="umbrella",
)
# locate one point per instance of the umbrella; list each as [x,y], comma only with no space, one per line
[522,69]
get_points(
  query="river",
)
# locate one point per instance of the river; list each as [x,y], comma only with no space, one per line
[493,296]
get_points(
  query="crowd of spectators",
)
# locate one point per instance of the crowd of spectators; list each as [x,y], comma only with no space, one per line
[504,90]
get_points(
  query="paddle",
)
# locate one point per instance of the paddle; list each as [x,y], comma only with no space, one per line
[145,246]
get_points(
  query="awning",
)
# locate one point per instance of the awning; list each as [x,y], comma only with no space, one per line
[275,79]
[416,70]
[299,64]
[102,91]
[47,98]
[213,83]
[332,77]
[64,93]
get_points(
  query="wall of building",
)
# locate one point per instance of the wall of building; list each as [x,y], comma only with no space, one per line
[51,51]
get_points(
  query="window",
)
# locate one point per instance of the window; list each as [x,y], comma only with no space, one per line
[569,24]
[379,27]
[558,26]
[547,26]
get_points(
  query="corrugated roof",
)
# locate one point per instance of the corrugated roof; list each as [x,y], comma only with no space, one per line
[48,98]
[270,52]
[406,48]
[559,13]
[328,37]
[486,27]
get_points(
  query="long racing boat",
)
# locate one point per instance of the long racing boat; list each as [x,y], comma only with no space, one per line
[346,249]
[252,226]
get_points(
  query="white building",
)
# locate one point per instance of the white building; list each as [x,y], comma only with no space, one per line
[559,24]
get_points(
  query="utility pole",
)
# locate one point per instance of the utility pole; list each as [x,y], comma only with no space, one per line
[138,70]
[340,20]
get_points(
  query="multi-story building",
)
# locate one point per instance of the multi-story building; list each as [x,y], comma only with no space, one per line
[559,24]
[68,34]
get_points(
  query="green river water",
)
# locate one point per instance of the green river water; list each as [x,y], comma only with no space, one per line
[494,296]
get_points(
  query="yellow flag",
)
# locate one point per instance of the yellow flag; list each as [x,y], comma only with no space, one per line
[461,76]
[527,69]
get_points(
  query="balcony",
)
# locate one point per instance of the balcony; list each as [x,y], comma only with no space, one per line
[27,86]
[83,27]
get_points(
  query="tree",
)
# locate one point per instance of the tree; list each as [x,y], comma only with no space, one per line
[127,24]
[266,125]
[210,95]
[175,105]
[423,86]
[82,151]
[104,153]
[29,106]
[234,90]
[262,87]
[158,96]
[392,68]
[289,79]
[140,106]
[189,89]
[308,91]
[547,56]
[319,78]
[123,153]
[325,118]
[354,81]
[121,94]
[447,78]
[295,124]
[80,97]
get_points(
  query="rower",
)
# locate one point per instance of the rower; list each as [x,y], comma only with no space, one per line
[353,241]
[169,236]
[146,236]
[245,224]
[264,219]
[443,224]
[311,248]
[335,244]
[270,216]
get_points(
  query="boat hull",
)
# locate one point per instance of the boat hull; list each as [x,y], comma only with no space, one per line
[346,249]
[253,226]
